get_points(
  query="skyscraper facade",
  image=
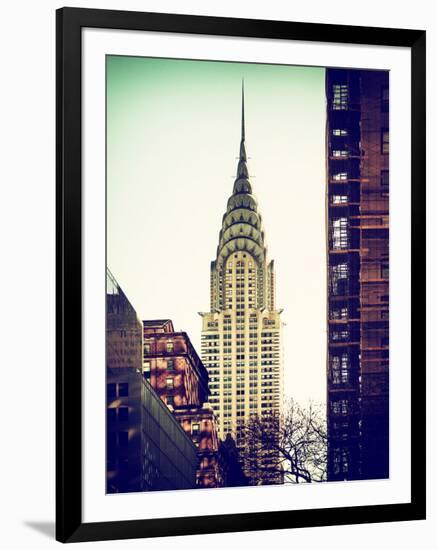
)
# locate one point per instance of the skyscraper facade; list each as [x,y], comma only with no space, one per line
[357,142]
[241,334]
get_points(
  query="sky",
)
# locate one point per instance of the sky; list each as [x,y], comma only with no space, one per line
[173,134]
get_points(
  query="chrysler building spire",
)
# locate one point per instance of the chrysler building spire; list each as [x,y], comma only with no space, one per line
[242,171]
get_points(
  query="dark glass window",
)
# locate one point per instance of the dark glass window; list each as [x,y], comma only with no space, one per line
[112,414]
[170,364]
[123,414]
[112,440]
[123,439]
[111,390]
[123,389]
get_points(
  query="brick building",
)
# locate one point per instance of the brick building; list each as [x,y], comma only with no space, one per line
[357,142]
[179,378]
[172,365]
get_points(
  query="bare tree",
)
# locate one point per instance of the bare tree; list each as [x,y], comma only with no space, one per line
[291,447]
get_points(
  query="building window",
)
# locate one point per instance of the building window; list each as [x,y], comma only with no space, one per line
[384,141]
[340,407]
[123,414]
[341,461]
[123,439]
[146,369]
[339,199]
[169,346]
[146,348]
[339,279]
[111,415]
[340,153]
[169,382]
[340,233]
[340,369]
[340,93]
[341,176]
[384,181]
[339,313]
[170,364]
[339,132]
[112,440]
[195,429]
[111,391]
[123,389]
[340,335]
[385,271]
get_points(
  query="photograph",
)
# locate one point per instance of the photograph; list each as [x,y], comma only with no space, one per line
[247,274]
[217,213]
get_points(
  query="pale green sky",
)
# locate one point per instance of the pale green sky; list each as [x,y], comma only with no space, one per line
[173,132]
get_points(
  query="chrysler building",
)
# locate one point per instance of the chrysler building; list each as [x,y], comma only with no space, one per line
[241,334]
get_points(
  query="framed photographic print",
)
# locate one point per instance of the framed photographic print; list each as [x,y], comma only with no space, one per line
[240,274]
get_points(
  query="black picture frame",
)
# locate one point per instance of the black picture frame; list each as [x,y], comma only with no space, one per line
[69,24]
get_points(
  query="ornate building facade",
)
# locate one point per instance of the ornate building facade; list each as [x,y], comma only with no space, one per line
[241,334]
